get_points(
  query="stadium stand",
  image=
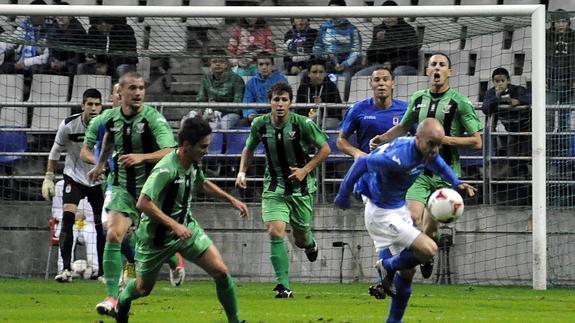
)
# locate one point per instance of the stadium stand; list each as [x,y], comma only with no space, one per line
[87,81]
[49,88]
[11,89]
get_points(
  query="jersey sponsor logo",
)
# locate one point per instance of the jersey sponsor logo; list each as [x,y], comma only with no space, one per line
[179,181]
[369,118]
[396,159]
[414,170]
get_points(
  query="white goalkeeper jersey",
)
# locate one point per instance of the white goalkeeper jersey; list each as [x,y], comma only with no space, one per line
[70,137]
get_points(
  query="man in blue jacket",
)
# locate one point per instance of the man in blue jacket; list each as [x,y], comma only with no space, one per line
[257,87]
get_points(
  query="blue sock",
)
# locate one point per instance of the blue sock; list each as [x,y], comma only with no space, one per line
[399,302]
[404,260]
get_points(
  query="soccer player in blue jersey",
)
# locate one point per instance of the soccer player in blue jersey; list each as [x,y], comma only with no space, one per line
[383,178]
[370,117]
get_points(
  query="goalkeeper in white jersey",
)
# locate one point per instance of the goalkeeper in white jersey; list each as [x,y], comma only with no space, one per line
[77,186]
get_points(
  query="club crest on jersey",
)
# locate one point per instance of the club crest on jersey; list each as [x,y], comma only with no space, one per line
[446,109]
[291,134]
[140,127]
[395,120]
[68,188]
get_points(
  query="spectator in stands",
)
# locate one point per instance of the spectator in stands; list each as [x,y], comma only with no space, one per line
[339,43]
[63,59]
[560,53]
[83,231]
[373,116]
[113,47]
[257,87]
[394,45]
[298,42]
[32,33]
[316,87]
[290,180]
[501,102]
[248,37]
[220,84]
[69,138]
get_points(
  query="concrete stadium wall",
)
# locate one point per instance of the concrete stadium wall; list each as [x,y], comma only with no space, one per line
[492,245]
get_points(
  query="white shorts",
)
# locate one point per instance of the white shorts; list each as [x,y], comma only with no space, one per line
[389,228]
[107,198]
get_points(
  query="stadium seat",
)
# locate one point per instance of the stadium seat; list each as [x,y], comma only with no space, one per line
[359,89]
[53,242]
[11,89]
[235,143]
[12,142]
[164,2]
[217,144]
[167,35]
[120,2]
[86,81]
[49,88]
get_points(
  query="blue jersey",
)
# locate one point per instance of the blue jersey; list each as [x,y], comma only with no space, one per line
[385,175]
[368,120]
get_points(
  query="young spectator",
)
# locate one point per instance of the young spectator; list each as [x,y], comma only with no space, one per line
[560,54]
[69,33]
[298,42]
[317,88]
[220,84]
[257,87]
[30,56]
[248,37]
[114,47]
[513,119]
[339,43]
[395,45]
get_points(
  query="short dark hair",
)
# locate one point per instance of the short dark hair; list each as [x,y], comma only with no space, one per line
[217,52]
[384,68]
[336,3]
[91,93]
[316,61]
[442,54]
[500,71]
[37,2]
[265,55]
[193,130]
[280,88]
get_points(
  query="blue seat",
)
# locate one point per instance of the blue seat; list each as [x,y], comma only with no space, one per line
[217,144]
[235,143]
[12,141]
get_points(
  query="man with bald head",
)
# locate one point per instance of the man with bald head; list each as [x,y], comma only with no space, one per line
[382,178]
[462,130]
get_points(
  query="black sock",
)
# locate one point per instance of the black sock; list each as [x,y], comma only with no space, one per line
[67,238]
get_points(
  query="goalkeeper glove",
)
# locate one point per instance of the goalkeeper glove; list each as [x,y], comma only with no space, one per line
[48,186]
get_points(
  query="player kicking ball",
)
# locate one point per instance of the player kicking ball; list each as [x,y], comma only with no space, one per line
[383,178]
[167,225]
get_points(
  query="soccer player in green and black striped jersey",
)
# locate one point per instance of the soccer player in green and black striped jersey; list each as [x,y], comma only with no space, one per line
[167,225]
[139,136]
[462,129]
[289,181]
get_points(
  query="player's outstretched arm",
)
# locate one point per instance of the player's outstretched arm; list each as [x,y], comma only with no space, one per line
[474,141]
[394,132]
[300,173]
[356,170]
[245,161]
[128,160]
[86,155]
[146,205]
[347,148]
[216,191]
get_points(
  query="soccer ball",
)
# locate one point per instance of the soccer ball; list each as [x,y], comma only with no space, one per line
[445,205]
[80,268]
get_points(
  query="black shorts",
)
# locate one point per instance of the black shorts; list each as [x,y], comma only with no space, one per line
[74,192]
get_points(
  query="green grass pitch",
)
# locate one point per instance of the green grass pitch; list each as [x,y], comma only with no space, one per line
[28,300]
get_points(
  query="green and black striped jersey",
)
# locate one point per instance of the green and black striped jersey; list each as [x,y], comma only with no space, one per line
[145,132]
[170,187]
[285,147]
[453,110]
